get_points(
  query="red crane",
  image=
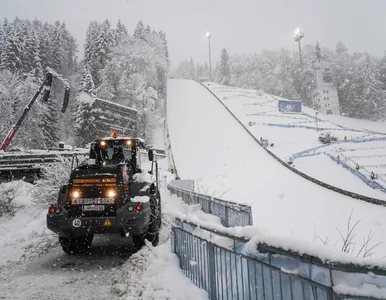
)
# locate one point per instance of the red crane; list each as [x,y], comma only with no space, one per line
[46,85]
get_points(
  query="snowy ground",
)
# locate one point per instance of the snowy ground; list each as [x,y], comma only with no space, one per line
[210,147]
[33,266]
[259,112]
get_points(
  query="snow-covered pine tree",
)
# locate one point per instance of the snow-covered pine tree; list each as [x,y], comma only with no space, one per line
[162,36]
[382,72]
[205,69]
[88,85]
[83,116]
[183,70]
[198,69]
[225,71]
[139,31]
[31,55]
[192,69]
[343,77]
[368,100]
[121,32]
[90,61]
[54,46]
[4,31]
[146,104]
[9,100]
[105,41]
[147,30]
[68,50]
[11,56]
[318,52]
[286,76]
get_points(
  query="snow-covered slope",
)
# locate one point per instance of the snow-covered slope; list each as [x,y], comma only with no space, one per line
[210,147]
[296,135]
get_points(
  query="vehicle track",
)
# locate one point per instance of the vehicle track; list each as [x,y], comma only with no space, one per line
[57,275]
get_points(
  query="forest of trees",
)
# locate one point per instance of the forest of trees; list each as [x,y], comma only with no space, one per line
[359,77]
[127,69]
[26,49]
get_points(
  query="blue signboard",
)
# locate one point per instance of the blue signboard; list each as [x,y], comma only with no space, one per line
[290,106]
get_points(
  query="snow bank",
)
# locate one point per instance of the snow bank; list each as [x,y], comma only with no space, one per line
[25,235]
[366,290]
[144,176]
[142,199]
[154,273]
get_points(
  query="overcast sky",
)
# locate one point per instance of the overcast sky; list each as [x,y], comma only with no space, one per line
[240,26]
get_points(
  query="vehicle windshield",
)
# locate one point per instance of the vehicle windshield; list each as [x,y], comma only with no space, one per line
[114,152]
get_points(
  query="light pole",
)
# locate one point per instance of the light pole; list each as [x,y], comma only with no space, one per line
[316,121]
[208,35]
[298,35]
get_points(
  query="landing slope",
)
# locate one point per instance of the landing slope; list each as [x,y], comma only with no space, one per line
[210,147]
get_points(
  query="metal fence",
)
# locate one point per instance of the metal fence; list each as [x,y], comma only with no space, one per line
[226,271]
[231,214]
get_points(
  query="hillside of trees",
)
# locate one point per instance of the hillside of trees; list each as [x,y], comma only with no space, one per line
[127,69]
[26,49]
[359,77]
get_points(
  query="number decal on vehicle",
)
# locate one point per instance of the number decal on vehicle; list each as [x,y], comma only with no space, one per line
[76,223]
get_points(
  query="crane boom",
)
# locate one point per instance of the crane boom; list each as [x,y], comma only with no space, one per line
[46,94]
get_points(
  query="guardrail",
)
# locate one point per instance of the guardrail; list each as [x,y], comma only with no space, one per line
[371,183]
[231,268]
[231,214]
[305,176]
[310,127]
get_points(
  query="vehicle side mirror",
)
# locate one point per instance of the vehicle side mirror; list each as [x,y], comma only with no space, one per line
[151,154]
[63,189]
[62,194]
[92,151]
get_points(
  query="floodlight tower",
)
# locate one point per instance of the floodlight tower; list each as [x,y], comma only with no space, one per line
[209,35]
[298,35]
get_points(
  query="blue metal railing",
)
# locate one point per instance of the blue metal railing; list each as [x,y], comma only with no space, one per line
[231,214]
[226,270]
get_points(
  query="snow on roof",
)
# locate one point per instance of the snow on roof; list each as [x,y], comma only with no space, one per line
[120,105]
[85,98]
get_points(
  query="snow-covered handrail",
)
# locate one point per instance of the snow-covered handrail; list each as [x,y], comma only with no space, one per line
[230,213]
[329,274]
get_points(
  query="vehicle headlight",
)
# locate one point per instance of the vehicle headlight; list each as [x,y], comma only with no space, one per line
[76,194]
[111,193]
